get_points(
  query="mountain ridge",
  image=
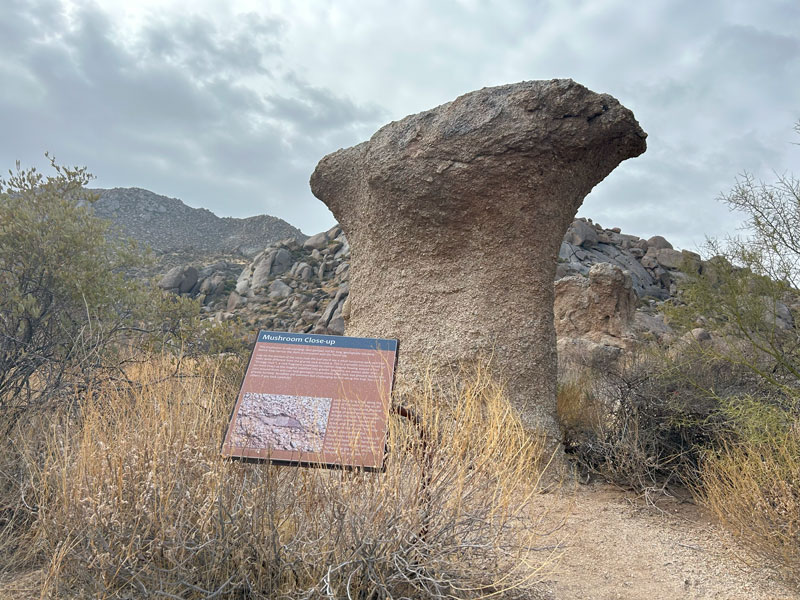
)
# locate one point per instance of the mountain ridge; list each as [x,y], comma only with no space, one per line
[169,225]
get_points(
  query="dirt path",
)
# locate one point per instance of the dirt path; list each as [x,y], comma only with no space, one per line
[616,547]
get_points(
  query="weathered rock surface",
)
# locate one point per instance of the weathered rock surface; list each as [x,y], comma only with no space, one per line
[594,315]
[210,283]
[179,280]
[658,242]
[581,233]
[442,208]
[279,289]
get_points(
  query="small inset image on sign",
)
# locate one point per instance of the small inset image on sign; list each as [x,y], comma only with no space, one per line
[281,422]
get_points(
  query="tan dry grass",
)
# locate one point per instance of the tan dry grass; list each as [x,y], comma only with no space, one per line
[132,499]
[754,491]
[577,407]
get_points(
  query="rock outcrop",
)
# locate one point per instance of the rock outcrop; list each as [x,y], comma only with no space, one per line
[653,264]
[594,315]
[442,209]
[210,283]
[291,286]
[318,300]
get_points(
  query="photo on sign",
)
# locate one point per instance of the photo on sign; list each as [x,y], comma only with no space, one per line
[281,422]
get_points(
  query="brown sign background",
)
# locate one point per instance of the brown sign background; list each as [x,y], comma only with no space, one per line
[314,399]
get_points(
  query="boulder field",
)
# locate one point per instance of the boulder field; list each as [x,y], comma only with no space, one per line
[607,290]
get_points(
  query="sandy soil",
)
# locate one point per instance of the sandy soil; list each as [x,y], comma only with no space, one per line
[618,547]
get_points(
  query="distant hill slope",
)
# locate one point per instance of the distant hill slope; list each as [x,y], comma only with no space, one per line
[169,225]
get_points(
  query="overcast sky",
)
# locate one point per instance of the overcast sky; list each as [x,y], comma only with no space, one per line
[229,105]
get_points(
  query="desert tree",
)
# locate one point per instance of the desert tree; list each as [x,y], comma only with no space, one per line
[747,291]
[69,310]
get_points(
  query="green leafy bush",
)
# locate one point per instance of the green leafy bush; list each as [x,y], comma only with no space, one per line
[64,300]
[70,313]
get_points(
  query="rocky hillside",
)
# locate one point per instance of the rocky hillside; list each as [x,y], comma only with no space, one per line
[167,225]
[609,287]
[292,285]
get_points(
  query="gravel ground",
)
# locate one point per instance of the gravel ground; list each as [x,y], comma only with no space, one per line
[618,547]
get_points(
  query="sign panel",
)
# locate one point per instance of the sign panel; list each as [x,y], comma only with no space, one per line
[314,399]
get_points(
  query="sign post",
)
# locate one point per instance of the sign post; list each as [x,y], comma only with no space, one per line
[315,400]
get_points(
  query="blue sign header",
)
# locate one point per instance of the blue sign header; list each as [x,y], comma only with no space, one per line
[328,341]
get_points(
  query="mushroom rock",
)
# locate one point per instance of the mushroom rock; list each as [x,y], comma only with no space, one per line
[455,217]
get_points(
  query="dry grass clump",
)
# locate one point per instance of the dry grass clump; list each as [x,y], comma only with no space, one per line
[647,422]
[132,499]
[754,490]
[578,409]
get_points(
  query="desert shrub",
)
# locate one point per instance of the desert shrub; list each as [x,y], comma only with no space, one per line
[63,297]
[578,410]
[70,314]
[749,315]
[647,422]
[621,424]
[745,291]
[753,489]
[132,499]
[748,295]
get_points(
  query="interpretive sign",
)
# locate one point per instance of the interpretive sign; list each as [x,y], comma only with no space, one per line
[314,399]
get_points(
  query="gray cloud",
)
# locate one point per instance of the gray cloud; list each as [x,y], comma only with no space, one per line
[232,111]
[727,108]
[198,44]
[170,110]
